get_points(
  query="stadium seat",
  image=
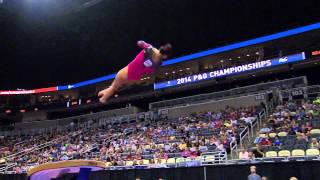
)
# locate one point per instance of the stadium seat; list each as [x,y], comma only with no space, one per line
[180,160]
[262,135]
[160,145]
[282,134]
[298,152]
[312,152]
[209,158]
[146,161]
[272,135]
[271,154]
[284,153]
[163,161]
[108,164]
[199,158]
[171,161]
[129,163]
[315,131]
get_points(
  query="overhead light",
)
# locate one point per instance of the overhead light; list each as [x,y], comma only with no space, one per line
[248,55]
[166,73]
[221,60]
[188,68]
[180,70]
[239,57]
[173,72]
[257,53]
[230,59]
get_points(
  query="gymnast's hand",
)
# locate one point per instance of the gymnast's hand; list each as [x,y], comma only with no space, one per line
[103,96]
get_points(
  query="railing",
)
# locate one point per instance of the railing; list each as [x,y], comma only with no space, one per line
[61,125]
[233,147]
[274,159]
[244,134]
[28,151]
[287,83]
[6,167]
[301,92]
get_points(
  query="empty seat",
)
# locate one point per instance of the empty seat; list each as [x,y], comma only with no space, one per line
[284,153]
[163,161]
[312,152]
[272,135]
[180,160]
[262,135]
[209,158]
[171,161]
[315,131]
[298,152]
[146,161]
[271,154]
[129,163]
[282,134]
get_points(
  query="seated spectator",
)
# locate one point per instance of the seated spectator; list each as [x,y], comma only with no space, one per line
[186,152]
[257,152]
[277,142]
[244,154]
[265,129]
[314,144]
[302,138]
[265,142]
[203,147]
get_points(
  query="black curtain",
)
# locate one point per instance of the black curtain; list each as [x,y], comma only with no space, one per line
[274,171]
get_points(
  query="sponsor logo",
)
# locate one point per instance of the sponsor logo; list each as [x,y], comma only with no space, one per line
[283,60]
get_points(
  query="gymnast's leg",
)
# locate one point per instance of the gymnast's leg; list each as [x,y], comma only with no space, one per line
[119,81]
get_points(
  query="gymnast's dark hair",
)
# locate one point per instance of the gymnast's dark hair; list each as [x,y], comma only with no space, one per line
[166,49]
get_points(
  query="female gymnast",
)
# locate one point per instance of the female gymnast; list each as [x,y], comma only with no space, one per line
[146,62]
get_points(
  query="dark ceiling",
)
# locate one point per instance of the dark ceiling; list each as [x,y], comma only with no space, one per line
[55,42]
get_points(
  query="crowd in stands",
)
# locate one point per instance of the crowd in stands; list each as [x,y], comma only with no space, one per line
[144,142]
[291,130]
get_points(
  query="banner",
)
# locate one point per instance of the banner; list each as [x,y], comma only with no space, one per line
[33,91]
[231,71]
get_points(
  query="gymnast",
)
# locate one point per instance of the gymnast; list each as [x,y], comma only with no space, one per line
[148,61]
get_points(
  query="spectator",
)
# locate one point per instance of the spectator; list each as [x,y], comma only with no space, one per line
[314,144]
[258,152]
[244,154]
[253,174]
[265,129]
[277,142]
[293,178]
[266,142]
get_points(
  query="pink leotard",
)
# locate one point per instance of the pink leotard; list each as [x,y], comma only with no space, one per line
[136,68]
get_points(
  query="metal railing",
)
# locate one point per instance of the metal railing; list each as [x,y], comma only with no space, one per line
[302,92]
[282,84]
